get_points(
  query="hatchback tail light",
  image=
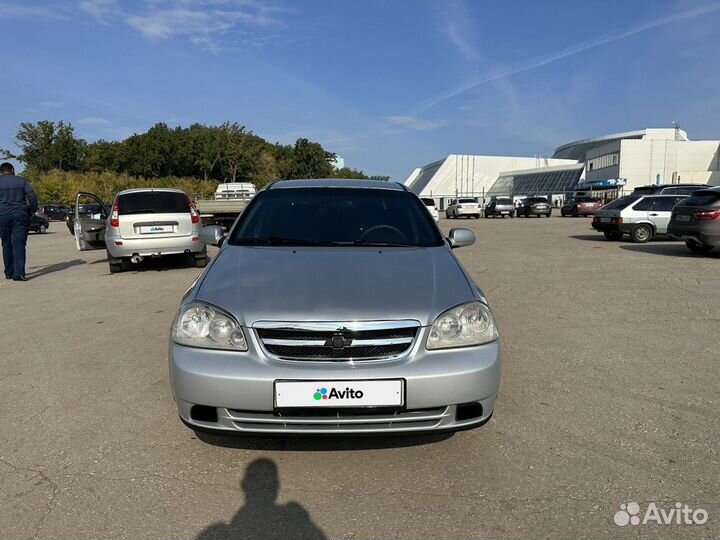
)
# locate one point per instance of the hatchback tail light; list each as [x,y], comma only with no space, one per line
[115,216]
[707,215]
[616,220]
[194,216]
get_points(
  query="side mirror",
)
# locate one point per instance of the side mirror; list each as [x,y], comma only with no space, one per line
[461,238]
[212,235]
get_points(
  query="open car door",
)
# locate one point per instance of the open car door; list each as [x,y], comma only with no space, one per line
[89,222]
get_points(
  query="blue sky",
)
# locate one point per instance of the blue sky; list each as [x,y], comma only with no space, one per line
[388,84]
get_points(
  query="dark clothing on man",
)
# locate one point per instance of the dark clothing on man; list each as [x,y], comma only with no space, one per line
[17,203]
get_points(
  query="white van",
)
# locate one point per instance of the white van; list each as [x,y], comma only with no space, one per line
[235,190]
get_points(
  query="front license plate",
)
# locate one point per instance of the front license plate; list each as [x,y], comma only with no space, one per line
[682,217]
[150,229]
[383,393]
[604,220]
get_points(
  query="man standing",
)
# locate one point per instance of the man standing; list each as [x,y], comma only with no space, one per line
[17,203]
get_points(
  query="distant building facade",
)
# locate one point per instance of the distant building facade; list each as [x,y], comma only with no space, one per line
[614,164]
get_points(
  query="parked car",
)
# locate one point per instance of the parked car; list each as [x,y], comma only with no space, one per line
[668,189]
[696,220]
[55,212]
[640,216]
[39,223]
[143,223]
[501,206]
[464,207]
[430,205]
[580,206]
[334,307]
[534,206]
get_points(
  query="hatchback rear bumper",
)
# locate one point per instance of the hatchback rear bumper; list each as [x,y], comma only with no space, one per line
[149,247]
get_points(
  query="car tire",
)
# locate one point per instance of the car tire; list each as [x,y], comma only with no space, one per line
[574,212]
[201,262]
[42,229]
[613,235]
[641,233]
[697,248]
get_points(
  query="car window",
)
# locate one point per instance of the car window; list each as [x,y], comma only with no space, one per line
[468,201]
[644,190]
[428,202]
[622,202]
[503,201]
[701,198]
[538,200]
[643,205]
[335,216]
[664,204]
[153,202]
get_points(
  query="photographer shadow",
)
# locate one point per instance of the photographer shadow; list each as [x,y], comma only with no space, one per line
[262,517]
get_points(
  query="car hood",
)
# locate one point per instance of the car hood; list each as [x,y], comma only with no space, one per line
[334,284]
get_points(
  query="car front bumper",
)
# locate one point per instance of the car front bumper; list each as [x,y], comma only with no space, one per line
[440,388]
[149,247]
[706,234]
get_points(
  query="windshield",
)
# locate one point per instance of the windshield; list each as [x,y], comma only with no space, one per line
[701,198]
[336,217]
[428,202]
[503,201]
[153,202]
[467,201]
[622,202]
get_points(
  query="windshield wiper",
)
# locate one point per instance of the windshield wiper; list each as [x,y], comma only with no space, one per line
[380,244]
[278,241]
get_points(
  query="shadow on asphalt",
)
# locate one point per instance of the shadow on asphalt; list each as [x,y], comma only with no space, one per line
[589,237]
[320,444]
[670,250]
[52,268]
[262,517]
[159,264]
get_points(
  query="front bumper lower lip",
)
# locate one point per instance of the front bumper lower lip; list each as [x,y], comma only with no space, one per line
[240,386]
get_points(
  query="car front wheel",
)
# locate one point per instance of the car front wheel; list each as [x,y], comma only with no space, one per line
[699,249]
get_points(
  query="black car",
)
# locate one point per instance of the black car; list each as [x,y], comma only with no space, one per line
[697,221]
[39,223]
[55,212]
[534,206]
[668,189]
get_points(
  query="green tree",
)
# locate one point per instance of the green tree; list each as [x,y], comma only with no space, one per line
[311,160]
[46,145]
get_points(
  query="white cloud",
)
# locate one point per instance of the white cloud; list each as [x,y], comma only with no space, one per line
[456,26]
[570,51]
[31,12]
[414,123]
[94,121]
[102,10]
[52,104]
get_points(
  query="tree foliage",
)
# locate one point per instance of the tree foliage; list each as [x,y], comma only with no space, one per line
[227,152]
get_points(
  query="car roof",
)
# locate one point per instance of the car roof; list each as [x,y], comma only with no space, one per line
[141,190]
[336,183]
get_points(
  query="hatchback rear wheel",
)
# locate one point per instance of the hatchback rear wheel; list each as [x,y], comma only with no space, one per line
[641,234]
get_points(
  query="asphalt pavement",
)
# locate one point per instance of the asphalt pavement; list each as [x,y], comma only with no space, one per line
[609,396]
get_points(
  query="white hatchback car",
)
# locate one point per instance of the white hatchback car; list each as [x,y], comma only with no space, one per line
[430,205]
[147,222]
[641,217]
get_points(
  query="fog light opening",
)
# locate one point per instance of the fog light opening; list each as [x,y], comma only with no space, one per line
[203,413]
[468,411]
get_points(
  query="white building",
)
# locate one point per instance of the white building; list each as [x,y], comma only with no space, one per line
[615,164]
[470,175]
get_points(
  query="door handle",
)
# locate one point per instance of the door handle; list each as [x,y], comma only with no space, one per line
[653,214]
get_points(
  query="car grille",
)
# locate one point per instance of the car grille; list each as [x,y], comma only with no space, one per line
[337,341]
[338,420]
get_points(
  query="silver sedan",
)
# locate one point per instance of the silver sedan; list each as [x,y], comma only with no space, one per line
[334,306]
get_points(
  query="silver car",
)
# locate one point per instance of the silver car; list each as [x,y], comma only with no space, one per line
[140,223]
[334,307]
[639,216]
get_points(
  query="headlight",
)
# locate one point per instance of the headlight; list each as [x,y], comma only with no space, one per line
[207,327]
[463,326]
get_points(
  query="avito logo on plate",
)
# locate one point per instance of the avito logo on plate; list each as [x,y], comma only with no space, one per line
[334,393]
